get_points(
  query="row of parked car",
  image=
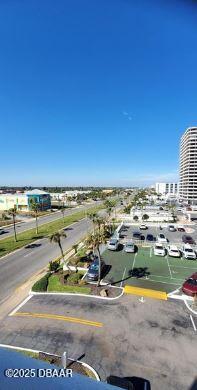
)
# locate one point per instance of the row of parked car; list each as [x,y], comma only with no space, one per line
[186,251]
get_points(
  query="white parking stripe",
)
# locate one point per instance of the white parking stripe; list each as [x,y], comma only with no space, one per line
[169,266]
[123,276]
[193,323]
[134,260]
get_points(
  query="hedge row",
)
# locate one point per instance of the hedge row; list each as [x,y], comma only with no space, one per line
[42,284]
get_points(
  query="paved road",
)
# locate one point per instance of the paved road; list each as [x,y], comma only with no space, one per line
[19,266]
[124,337]
[23,226]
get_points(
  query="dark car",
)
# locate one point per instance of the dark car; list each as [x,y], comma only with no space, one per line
[93,271]
[137,236]
[190,285]
[180,229]
[31,246]
[150,237]
[188,239]
[2,231]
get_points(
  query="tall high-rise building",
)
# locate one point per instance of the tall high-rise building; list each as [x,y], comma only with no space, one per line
[188,166]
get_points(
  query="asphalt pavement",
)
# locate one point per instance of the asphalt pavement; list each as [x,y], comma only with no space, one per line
[19,266]
[173,237]
[23,226]
[124,337]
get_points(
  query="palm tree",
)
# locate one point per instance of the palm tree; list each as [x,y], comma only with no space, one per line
[94,241]
[93,217]
[62,211]
[56,238]
[100,222]
[13,213]
[34,206]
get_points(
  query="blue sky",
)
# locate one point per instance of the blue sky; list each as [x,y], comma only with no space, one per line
[95,92]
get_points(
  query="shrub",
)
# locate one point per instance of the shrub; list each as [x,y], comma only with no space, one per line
[54,265]
[42,284]
[74,278]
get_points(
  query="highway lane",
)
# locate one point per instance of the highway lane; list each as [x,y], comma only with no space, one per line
[19,266]
[23,226]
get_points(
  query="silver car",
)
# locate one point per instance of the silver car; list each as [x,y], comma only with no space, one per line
[113,244]
[129,247]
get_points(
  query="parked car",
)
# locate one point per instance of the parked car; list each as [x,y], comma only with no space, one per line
[137,236]
[143,226]
[150,237]
[129,247]
[173,251]
[159,250]
[2,231]
[188,252]
[190,285]
[171,228]
[188,239]
[180,229]
[113,244]
[93,271]
[162,238]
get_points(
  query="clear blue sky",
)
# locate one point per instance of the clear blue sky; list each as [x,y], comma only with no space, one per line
[95,92]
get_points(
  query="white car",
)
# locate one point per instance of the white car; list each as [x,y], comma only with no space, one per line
[159,250]
[188,252]
[129,247]
[113,244]
[161,238]
[143,226]
[173,251]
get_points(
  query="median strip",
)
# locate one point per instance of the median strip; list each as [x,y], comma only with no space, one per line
[59,318]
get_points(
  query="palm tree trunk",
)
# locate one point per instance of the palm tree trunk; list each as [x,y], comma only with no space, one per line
[14,222]
[36,224]
[62,253]
[99,257]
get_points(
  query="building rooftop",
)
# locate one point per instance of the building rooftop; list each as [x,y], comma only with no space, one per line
[36,192]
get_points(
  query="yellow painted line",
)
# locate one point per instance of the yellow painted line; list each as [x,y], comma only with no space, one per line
[59,317]
[145,292]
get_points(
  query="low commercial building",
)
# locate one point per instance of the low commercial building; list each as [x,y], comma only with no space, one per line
[22,202]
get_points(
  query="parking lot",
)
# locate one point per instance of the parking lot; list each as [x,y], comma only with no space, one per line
[144,269]
[125,337]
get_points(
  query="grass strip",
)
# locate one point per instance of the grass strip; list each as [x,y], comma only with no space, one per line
[54,285]
[8,245]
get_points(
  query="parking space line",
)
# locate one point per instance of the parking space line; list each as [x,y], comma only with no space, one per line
[134,260]
[123,276]
[169,266]
[159,281]
[166,277]
[193,323]
[60,318]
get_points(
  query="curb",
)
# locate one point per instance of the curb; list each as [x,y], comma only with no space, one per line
[47,353]
[31,293]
